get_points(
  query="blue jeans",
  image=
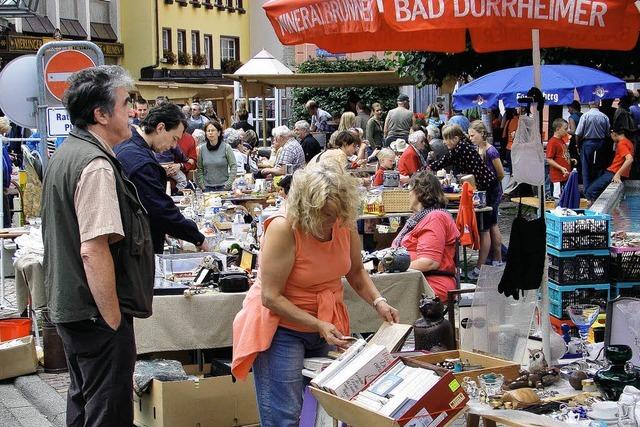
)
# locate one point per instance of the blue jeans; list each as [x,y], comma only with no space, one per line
[597,187]
[277,373]
[588,161]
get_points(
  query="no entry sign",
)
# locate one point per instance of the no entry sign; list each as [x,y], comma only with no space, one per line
[60,67]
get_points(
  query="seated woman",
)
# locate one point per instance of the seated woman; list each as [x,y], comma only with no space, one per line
[430,234]
[295,309]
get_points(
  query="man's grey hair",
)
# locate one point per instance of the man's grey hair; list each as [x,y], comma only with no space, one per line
[232,137]
[186,110]
[94,88]
[433,132]
[196,104]
[281,131]
[302,124]
[416,137]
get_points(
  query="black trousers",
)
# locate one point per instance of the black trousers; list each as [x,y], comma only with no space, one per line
[101,363]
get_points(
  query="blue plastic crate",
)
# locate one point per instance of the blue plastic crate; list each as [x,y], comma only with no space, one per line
[578,267]
[562,296]
[587,231]
[625,289]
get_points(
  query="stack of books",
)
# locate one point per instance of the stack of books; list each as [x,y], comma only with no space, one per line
[355,368]
[397,390]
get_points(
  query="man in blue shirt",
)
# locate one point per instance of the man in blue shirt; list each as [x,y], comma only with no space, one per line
[591,133]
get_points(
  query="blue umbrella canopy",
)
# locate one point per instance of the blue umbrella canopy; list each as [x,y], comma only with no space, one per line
[558,85]
[570,197]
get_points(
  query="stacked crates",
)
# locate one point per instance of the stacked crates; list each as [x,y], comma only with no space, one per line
[625,272]
[579,260]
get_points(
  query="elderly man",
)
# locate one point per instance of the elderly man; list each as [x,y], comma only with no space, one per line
[399,121]
[412,159]
[159,132]
[98,255]
[309,144]
[591,132]
[319,117]
[197,120]
[291,153]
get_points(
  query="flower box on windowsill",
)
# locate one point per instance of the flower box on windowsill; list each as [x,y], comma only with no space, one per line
[182,3]
[207,4]
[168,1]
[231,9]
[195,3]
[241,10]
[219,5]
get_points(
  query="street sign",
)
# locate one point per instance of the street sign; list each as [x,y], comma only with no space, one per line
[58,122]
[59,68]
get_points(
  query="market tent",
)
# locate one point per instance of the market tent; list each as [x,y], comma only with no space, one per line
[183,91]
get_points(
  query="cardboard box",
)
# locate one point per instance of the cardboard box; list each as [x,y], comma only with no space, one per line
[18,358]
[214,402]
[438,407]
[509,369]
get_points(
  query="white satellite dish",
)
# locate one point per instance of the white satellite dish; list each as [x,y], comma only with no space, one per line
[19,90]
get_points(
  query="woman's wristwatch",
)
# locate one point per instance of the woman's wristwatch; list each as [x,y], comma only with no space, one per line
[377,301]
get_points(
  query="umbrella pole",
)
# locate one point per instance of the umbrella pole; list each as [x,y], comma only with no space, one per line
[264,119]
[545,326]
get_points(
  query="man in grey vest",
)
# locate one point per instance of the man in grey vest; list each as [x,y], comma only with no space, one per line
[98,256]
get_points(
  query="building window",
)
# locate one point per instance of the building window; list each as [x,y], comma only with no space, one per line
[239,4]
[208,51]
[166,39]
[229,48]
[195,42]
[182,36]
[230,4]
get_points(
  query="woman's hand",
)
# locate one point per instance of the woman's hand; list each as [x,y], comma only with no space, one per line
[331,334]
[387,312]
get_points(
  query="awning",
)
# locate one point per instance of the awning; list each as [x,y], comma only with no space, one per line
[37,25]
[103,32]
[72,28]
[183,91]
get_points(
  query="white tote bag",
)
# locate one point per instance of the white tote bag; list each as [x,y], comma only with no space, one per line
[527,153]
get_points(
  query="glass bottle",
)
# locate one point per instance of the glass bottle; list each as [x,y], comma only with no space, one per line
[627,409]
[612,380]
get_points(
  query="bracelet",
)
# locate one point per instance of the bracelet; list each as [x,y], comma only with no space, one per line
[378,300]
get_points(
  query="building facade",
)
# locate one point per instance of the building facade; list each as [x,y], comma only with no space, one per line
[93,20]
[184,41]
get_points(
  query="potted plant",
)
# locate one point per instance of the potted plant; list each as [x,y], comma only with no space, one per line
[184,58]
[199,60]
[168,57]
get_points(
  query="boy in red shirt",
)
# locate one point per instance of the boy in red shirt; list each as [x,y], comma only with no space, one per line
[386,161]
[558,155]
[620,166]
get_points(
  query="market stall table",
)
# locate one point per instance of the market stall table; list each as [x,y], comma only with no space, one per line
[205,321]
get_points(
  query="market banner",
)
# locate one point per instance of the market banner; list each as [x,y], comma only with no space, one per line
[440,25]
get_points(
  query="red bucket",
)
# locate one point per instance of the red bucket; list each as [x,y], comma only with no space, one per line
[14,328]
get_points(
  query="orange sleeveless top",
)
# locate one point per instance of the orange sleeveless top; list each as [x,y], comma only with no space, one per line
[314,285]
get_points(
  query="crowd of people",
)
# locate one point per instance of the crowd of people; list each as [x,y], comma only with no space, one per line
[106,211]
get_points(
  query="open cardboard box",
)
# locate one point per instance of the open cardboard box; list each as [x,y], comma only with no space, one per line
[509,369]
[18,359]
[439,406]
[215,402]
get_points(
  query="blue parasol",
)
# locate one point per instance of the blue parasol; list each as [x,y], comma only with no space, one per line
[559,84]
[570,197]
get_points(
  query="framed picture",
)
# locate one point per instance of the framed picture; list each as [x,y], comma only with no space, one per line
[623,325]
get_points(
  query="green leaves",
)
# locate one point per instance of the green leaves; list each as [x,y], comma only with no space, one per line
[336,100]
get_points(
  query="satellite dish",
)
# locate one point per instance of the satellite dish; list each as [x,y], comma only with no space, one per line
[19,89]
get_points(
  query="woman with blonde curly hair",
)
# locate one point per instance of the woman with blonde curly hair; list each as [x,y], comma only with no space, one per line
[296,309]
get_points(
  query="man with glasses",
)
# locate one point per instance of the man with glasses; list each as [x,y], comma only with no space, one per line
[159,131]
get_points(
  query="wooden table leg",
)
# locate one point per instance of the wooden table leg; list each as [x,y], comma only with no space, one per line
[473,420]
[488,422]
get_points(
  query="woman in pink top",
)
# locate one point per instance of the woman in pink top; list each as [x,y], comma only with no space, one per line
[296,308]
[430,234]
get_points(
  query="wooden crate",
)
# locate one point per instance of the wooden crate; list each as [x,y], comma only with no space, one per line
[396,201]
[509,369]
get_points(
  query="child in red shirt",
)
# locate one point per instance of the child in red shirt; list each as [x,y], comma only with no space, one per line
[386,161]
[557,154]
[620,166]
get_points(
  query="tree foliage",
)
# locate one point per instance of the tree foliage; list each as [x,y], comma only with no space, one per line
[335,99]
[433,68]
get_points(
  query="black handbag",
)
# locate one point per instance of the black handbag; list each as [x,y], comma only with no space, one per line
[233,282]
